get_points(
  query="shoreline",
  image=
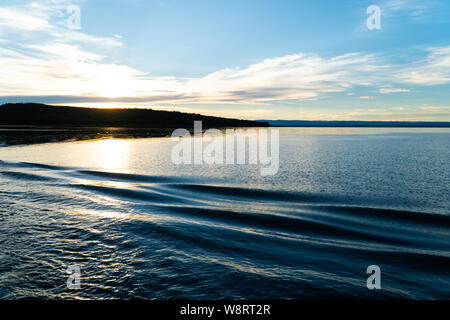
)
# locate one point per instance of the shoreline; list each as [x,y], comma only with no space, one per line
[16,136]
[11,135]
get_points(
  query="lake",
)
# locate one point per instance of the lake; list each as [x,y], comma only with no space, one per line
[139,226]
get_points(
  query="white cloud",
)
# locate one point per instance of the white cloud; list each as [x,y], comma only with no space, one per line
[434,69]
[393,90]
[23,19]
[366,97]
[74,71]
[48,18]
[434,109]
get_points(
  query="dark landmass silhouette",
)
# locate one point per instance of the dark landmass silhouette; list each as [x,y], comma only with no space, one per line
[31,114]
[30,123]
[359,124]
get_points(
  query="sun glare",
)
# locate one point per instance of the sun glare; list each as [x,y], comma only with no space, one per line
[113,154]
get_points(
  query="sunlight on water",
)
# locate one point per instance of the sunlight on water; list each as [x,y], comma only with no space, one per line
[112,154]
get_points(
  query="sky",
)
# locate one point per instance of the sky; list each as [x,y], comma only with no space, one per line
[250,59]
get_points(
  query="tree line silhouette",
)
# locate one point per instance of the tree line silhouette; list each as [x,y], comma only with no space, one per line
[32,114]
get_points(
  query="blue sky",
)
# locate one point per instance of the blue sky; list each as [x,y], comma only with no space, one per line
[248,59]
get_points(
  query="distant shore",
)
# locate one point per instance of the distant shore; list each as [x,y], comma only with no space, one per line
[357,124]
[31,123]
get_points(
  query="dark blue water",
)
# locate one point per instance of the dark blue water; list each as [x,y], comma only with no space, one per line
[140,227]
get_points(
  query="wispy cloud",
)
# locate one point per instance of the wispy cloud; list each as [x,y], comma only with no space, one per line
[23,19]
[47,18]
[74,71]
[392,90]
[440,109]
[396,114]
[413,8]
[434,69]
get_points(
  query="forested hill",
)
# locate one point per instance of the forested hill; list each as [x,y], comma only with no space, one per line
[31,114]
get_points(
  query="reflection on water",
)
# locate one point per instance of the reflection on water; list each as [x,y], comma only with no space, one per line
[112,154]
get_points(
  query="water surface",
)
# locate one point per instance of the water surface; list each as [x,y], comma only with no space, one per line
[140,226]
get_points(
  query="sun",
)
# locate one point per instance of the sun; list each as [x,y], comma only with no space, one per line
[113,86]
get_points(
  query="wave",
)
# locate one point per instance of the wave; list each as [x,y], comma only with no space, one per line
[196,237]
